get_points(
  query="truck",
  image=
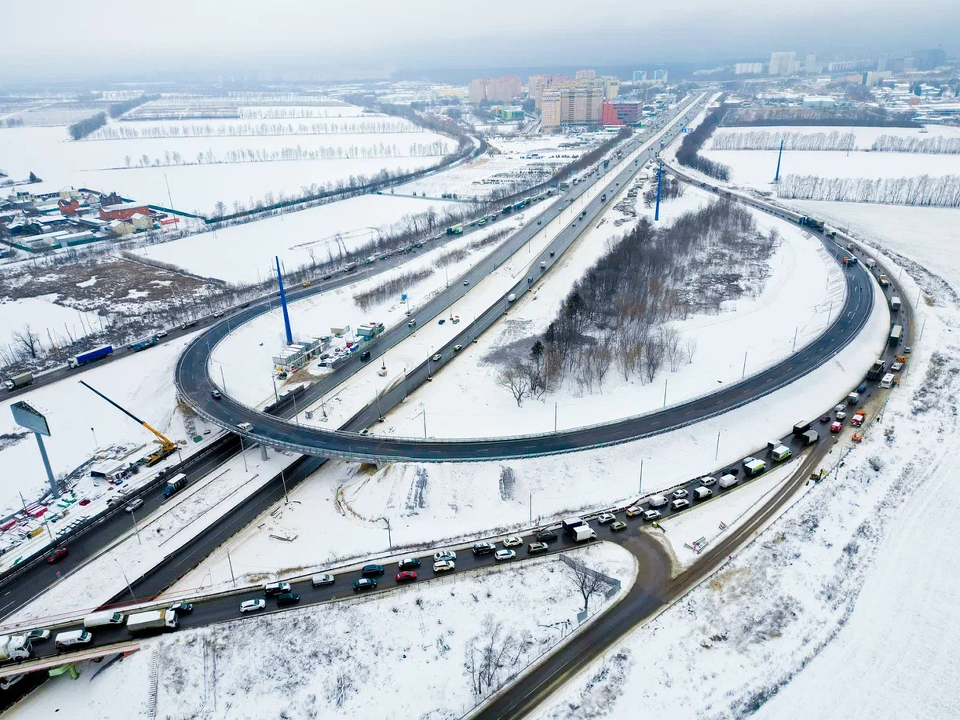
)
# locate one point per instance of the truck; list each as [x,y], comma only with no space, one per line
[143,344]
[811,223]
[19,381]
[15,647]
[102,619]
[455,229]
[781,453]
[583,533]
[570,524]
[349,267]
[175,483]
[887,381]
[801,427]
[884,282]
[871,263]
[895,335]
[152,620]
[853,398]
[895,303]
[810,437]
[876,370]
[752,466]
[90,356]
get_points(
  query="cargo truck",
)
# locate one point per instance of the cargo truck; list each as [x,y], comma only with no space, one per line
[175,483]
[90,356]
[895,334]
[876,370]
[152,621]
[895,303]
[101,619]
[143,344]
[15,647]
[727,481]
[583,533]
[19,381]
[752,466]
[570,524]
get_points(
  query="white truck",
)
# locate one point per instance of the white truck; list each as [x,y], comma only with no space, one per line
[151,620]
[102,619]
[15,647]
[728,481]
[582,533]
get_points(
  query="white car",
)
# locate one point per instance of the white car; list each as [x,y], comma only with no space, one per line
[135,505]
[841,415]
[896,367]
[252,605]
[634,510]
[502,555]
[681,493]
[512,541]
[245,426]
[680,504]
[444,556]
[444,566]
[606,518]
[839,408]
[651,515]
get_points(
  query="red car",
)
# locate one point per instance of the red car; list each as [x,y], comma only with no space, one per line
[835,426]
[406,576]
[85,501]
[57,555]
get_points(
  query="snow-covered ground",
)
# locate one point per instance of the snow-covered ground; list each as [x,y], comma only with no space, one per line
[52,324]
[865,136]
[245,253]
[804,288]
[843,607]
[335,658]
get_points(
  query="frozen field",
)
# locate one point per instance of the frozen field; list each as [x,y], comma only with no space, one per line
[244,253]
[317,672]
[52,324]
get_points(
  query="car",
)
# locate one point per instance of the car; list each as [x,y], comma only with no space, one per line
[444,555]
[537,547]
[836,426]
[372,571]
[57,555]
[731,471]
[841,416]
[707,481]
[364,584]
[410,562]
[906,350]
[85,501]
[182,607]
[444,566]
[896,367]
[839,408]
[276,588]
[252,605]
[162,333]
[680,504]
[457,348]
[406,576]
[322,579]
[37,635]
[824,419]
[411,323]
[605,518]
[512,541]
[546,536]
[681,493]
[218,314]
[135,505]
[245,426]
[441,321]
[504,555]
[634,510]
[437,357]
[617,526]
[455,319]
[466,282]
[365,355]
[483,548]
[215,394]
[539,222]
[287,598]
[649,515]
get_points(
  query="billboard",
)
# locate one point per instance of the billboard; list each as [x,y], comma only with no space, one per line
[29,417]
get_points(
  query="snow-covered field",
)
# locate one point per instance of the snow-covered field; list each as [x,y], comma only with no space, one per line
[335,658]
[103,164]
[52,324]
[244,253]
[465,399]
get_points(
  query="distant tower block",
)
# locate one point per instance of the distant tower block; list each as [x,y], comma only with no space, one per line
[283,303]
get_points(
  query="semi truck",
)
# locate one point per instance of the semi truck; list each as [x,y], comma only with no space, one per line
[455,229]
[175,483]
[876,370]
[895,334]
[15,647]
[143,344]
[811,223]
[90,356]
[19,381]
[152,621]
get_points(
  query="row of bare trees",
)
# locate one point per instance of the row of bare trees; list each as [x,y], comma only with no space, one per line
[924,190]
[767,140]
[378,125]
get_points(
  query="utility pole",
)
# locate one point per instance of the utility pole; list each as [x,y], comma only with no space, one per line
[716,455]
[243,454]
[556,410]
[233,578]
[530,506]
[283,479]
[223,380]
[389,536]
[640,489]
[132,594]
[665,381]
[830,312]
[795,338]
[922,326]
[95,443]
[779,156]
[296,413]
[275,395]
[376,397]
[744,373]
[136,529]
[656,215]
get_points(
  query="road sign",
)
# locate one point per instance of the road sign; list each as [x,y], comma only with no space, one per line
[29,417]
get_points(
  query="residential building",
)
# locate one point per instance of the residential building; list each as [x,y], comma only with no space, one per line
[477,92]
[639,76]
[810,66]
[660,76]
[537,84]
[748,68]
[502,89]
[873,77]
[574,104]
[123,211]
[930,58]
[509,113]
[69,207]
[783,63]
[611,87]
[586,75]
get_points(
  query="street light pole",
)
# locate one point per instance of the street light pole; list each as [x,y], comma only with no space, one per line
[744,373]
[243,454]
[135,528]
[132,594]
[283,479]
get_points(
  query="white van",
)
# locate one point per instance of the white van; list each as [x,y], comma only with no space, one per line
[702,493]
[887,381]
[101,619]
[728,481]
[657,501]
[73,637]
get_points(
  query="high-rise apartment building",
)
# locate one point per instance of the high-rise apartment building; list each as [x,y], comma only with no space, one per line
[810,66]
[639,76]
[537,83]
[783,63]
[748,68]
[611,87]
[571,104]
[502,89]
[477,91]
[660,76]
[585,75]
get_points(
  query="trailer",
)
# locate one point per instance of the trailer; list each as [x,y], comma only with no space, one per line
[143,344]
[90,356]
[895,335]
[152,620]
[19,381]
[175,483]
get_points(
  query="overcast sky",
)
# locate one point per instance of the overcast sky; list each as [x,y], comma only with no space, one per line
[56,38]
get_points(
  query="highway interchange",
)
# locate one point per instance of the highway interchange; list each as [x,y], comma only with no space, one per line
[653,588]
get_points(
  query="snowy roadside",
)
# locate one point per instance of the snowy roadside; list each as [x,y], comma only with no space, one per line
[335,657]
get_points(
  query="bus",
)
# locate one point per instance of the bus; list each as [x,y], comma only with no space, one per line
[895,335]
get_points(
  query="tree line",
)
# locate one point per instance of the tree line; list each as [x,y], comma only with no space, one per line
[688,153]
[932,145]
[843,116]
[118,109]
[128,131]
[766,140]
[923,190]
[617,316]
[82,128]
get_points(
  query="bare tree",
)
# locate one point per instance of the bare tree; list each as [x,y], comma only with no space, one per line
[670,338]
[589,581]
[691,347]
[517,381]
[28,341]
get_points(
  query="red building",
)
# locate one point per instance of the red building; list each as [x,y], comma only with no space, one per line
[123,211]
[69,207]
[620,113]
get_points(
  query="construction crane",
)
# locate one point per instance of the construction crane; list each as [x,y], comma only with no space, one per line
[167,446]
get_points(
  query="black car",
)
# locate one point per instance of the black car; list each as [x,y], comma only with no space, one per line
[731,471]
[370,571]
[546,536]
[365,355]
[408,563]
[287,598]
[182,607]
[483,548]
[365,584]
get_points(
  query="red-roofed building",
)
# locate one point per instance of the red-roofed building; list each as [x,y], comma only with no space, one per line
[123,211]
[69,207]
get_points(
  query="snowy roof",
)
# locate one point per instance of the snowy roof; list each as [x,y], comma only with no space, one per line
[137,216]
[124,206]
